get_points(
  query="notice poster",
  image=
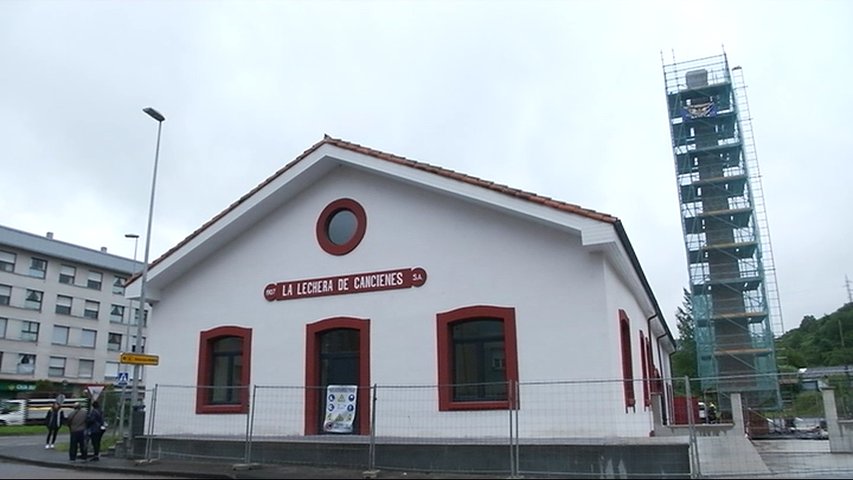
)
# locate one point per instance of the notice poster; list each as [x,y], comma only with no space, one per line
[340,408]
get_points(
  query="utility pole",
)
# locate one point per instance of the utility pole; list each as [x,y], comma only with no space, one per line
[850,300]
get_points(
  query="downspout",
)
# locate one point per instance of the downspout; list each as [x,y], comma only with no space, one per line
[664,393]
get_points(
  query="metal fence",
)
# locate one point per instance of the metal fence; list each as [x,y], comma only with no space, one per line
[584,428]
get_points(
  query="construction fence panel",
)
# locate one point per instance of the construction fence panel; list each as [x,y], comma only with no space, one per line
[172,418]
[409,420]
[596,427]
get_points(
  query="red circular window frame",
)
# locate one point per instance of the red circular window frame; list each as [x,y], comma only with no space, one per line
[323,226]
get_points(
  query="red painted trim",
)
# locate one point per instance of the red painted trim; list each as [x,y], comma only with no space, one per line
[205,367]
[312,371]
[326,216]
[627,361]
[445,355]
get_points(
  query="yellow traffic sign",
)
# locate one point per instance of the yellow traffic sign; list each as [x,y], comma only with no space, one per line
[139,359]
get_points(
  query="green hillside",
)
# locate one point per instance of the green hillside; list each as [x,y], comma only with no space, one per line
[818,342]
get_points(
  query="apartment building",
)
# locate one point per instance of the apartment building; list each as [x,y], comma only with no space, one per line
[64,317]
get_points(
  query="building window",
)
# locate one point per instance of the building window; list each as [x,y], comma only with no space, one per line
[341,226]
[133,344]
[38,267]
[116,313]
[7,261]
[88,338]
[118,285]
[56,367]
[26,364]
[33,300]
[135,318]
[224,370]
[3,322]
[67,274]
[111,370]
[29,331]
[114,342]
[86,368]
[91,309]
[94,281]
[653,371]
[5,294]
[645,369]
[477,358]
[60,335]
[63,304]
[627,360]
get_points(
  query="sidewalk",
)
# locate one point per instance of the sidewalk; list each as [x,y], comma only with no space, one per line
[30,449]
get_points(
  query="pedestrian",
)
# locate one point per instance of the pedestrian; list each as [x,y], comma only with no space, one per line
[54,420]
[77,427]
[95,427]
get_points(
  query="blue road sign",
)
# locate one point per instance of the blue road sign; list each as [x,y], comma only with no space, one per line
[121,380]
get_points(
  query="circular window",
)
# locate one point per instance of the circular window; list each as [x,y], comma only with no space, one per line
[341,226]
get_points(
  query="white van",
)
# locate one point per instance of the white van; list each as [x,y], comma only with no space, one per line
[32,411]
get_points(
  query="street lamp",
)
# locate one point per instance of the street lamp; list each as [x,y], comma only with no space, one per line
[144,281]
[126,346]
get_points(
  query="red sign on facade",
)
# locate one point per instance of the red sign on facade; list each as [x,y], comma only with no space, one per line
[346,284]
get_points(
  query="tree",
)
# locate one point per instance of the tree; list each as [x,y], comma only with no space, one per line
[684,358]
[823,342]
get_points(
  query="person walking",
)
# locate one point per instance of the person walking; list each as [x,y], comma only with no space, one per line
[54,420]
[77,427]
[95,425]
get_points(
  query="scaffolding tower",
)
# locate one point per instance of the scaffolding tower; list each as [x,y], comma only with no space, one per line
[732,276]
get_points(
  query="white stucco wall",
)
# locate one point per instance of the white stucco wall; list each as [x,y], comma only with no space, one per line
[565,297]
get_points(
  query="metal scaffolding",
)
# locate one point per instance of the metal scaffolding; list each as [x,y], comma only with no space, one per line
[732,275]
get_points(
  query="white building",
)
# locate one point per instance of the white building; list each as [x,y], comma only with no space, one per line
[355,267]
[63,314]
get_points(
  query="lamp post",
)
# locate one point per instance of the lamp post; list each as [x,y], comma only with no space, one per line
[126,346]
[144,281]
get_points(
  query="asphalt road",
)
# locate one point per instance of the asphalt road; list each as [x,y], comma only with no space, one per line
[25,470]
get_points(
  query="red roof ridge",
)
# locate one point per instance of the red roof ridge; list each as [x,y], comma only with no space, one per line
[560,205]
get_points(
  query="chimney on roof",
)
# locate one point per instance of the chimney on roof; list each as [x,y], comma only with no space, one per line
[103,249]
[50,235]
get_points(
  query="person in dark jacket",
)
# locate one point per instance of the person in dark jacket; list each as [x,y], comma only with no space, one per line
[95,425]
[77,426]
[54,420]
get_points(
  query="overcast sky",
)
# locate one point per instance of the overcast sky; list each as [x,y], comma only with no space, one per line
[561,98]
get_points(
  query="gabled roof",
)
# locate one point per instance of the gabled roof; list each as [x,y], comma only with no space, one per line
[245,202]
[327,140]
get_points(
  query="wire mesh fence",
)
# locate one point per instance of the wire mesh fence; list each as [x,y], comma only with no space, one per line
[675,427]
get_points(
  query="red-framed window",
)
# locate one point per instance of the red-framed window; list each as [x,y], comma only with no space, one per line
[653,371]
[644,360]
[477,358]
[224,368]
[341,226]
[627,359]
